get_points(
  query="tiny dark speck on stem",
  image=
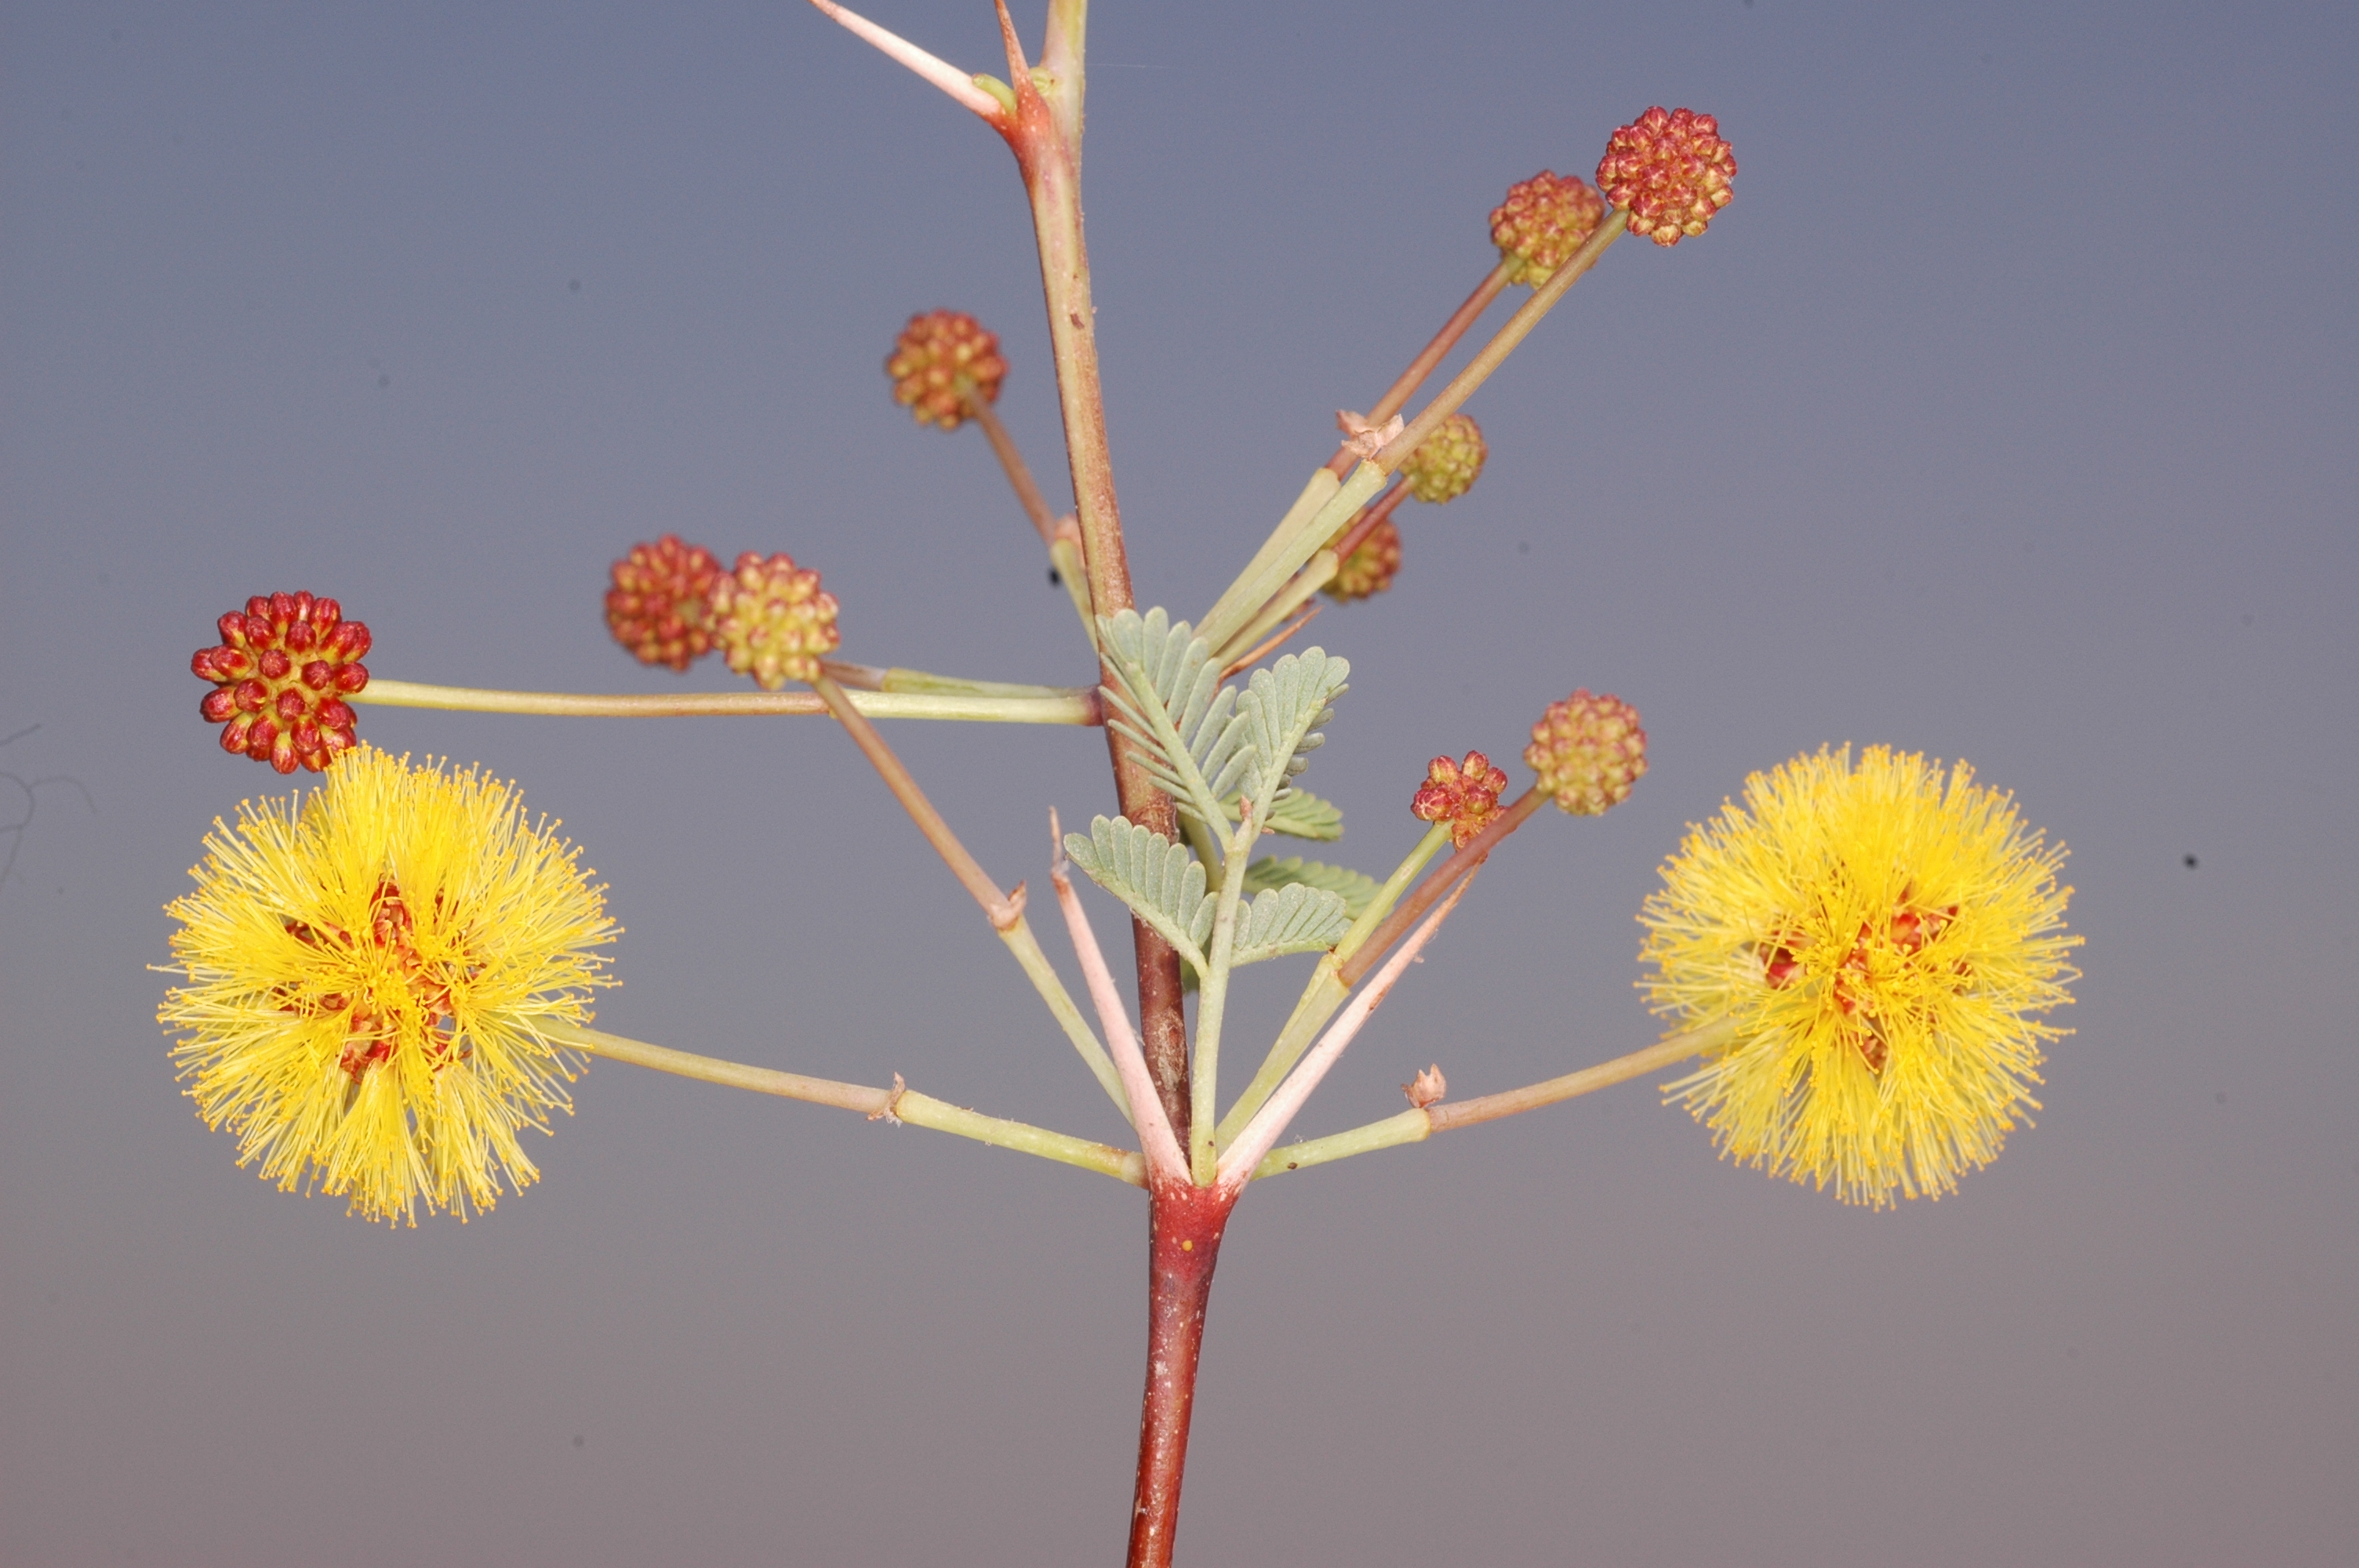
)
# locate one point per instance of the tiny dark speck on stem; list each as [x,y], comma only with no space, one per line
[2190,862]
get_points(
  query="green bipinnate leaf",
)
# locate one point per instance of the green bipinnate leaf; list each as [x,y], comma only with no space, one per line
[1209,746]
[1295,918]
[1282,710]
[1356,888]
[1161,881]
[1298,814]
[1167,698]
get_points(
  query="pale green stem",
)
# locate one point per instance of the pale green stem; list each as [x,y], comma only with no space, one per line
[925,683]
[1416,1125]
[1436,838]
[898,1103]
[1269,645]
[1006,910]
[924,1110]
[1073,571]
[1411,1126]
[1061,53]
[1203,1072]
[1247,595]
[1468,859]
[1066,707]
[1027,948]
[1493,354]
[1327,990]
[1397,397]
[1244,1157]
[1200,840]
[1315,495]
[1316,574]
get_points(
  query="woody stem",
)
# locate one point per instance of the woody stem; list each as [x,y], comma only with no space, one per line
[1185,1227]
[1046,139]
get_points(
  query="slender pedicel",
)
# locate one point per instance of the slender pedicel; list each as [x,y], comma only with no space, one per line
[1503,342]
[1068,707]
[1397,397]
[1417,1124]
[1326,989]
[1240,1160]
[898,1103]
[1156,1143]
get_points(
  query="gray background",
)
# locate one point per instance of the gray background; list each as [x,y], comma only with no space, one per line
[2007,415]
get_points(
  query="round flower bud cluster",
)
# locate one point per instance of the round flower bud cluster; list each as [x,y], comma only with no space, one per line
[940,357]
[1465,794]
[1588,751]
[281,675]
[1543,220]
[1447,463]
[1671,170]
[1369,568]
[772,621]
[659,606]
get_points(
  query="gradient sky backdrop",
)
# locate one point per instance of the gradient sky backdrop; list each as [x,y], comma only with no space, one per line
[2007,414]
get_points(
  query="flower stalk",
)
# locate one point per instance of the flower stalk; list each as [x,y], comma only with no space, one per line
[1397,397]
[1032,704]
[1419,1123]
[1503,342]
[1006,910]
[1326,989]
[897,1104]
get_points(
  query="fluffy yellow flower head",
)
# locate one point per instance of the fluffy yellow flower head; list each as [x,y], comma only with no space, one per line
[368,967]
[1878,938]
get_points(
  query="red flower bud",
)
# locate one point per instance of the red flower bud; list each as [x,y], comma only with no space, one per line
[273,673]
[1671,170]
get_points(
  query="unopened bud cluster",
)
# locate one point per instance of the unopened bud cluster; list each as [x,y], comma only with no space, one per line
[1447,463]
[280,674]
[1671,170]
[659,607]
[1465,794]
[940,360]
[772,621]
[1369,568]
[1543,220]
[1588,751]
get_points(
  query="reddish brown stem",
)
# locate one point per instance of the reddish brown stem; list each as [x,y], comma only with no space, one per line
[1397,397]
[1277,639]
[1046,138]
[1369,522]
[1019,472]
[1184,1232]
[1410,910]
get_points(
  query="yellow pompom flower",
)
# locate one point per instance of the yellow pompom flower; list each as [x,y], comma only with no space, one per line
[1878,938]
[369,968]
